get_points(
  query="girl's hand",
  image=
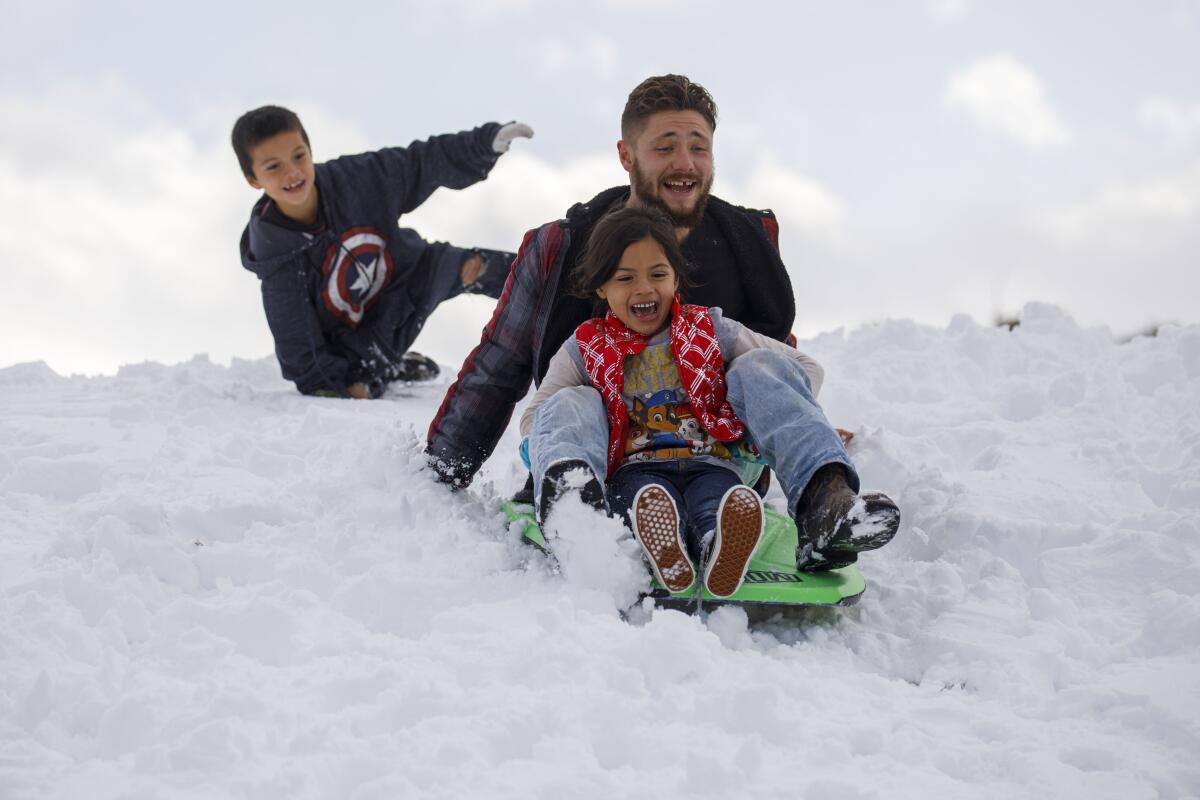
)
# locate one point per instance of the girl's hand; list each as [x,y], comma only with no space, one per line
[846,436]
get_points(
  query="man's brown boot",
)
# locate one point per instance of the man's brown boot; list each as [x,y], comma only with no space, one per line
[833,524]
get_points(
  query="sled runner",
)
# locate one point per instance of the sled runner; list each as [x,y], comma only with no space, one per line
[771,579]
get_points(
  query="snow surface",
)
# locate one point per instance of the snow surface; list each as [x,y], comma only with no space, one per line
[213,587]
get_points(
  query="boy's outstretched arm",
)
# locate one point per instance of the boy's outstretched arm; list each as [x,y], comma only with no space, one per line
[454,160]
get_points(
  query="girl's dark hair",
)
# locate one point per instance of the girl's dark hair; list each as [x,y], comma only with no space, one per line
[615,232]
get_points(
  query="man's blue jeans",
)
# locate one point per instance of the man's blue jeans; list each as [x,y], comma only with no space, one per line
[769,391]
[572,424]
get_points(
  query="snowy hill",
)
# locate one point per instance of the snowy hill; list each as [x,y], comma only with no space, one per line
[213,587]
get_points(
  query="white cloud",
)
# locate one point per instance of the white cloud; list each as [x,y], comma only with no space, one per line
[804,205]
[1125,256]
[603,54]
[1185,13]
[488,10]
[1138,218]
[693,6]
[1179,121]
[1000,93]
[554,56]
[597,54]
[949,10]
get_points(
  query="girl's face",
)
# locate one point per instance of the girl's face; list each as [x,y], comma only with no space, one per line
[640,291]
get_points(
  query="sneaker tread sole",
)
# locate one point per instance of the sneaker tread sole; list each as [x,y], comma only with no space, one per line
[739,527]
[656,527]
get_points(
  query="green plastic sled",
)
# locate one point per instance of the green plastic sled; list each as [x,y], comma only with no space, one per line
[771,579]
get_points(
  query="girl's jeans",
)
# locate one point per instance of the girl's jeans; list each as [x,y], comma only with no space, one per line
[696,487]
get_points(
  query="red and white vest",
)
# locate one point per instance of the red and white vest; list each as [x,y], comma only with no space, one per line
[605,342]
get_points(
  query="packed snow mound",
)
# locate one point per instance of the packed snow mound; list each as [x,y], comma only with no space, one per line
[211,586]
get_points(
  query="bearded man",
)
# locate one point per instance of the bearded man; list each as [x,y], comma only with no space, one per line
[666,147]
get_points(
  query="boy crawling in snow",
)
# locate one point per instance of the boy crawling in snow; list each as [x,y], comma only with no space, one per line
[346,290]
[658,381]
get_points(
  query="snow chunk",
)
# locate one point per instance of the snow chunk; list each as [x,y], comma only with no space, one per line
[596,553]
[31,373]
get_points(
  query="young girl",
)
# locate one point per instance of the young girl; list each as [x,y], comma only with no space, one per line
[674,441]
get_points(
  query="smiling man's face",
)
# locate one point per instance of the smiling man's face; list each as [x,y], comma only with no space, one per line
[670,165]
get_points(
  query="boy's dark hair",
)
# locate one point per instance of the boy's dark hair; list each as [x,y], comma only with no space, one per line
[665,93]
[259,124]
[615,232]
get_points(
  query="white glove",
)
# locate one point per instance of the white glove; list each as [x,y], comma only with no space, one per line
[508,132]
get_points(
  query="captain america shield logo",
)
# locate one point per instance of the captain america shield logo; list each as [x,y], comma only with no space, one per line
[356,269]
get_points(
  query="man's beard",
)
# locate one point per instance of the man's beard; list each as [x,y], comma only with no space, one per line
[647,192]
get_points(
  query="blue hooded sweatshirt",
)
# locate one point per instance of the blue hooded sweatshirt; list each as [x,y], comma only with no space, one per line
[344,304]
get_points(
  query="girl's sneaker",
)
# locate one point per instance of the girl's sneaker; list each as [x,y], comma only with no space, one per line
[656,527]
[739,527]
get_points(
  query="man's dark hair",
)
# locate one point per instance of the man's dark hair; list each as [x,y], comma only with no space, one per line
[259,124]
[615,232]
[665,93]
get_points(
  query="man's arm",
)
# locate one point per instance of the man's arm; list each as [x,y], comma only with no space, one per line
[497,373]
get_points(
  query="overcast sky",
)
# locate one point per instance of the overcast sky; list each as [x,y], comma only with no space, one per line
[925,158]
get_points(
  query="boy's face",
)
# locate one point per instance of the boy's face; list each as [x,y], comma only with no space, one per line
[283,168]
